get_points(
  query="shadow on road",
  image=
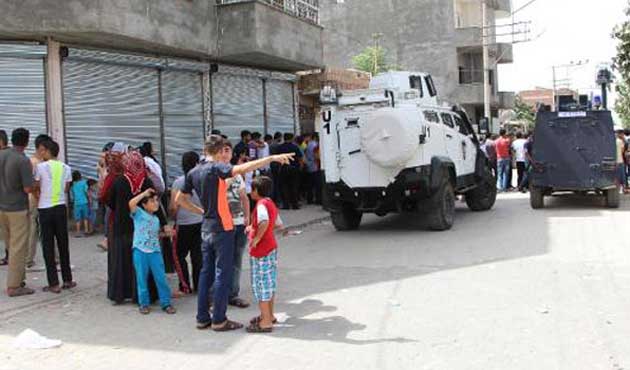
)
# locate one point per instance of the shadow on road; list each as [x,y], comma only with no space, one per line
[316,262]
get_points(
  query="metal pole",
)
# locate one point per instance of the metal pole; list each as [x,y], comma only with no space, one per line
[553,102]
[486,63]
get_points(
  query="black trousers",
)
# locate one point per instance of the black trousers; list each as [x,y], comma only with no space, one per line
[189,241]
[289,186]
[53,223]
[314,191]
[520,169]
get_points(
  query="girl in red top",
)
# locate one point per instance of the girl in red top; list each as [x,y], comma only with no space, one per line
[263,254]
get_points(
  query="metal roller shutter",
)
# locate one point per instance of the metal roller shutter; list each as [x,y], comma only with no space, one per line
[108,102]
[237,104]
[183,118]
[280,107]
[22,89]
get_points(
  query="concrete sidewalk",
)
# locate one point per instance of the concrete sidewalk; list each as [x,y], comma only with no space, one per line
[90,266]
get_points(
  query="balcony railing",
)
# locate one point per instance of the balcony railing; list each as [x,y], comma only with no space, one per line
[469,76]
[304,9]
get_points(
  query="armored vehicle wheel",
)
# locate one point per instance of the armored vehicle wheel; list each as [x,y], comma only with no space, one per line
[347,219]
[612,198]
[483,197]
[536,197]
[442,207]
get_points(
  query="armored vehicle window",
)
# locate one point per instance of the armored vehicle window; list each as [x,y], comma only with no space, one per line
[448,120]
[415,82]
[431,116]
[430,86]
[460,123]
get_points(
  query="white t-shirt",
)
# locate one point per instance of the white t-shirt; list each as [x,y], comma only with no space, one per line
[53,176]
[518,146]
[263,152]
[263,215]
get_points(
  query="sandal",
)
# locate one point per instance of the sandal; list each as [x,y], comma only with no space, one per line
[145,310]
[257,319]
[169,310]
[256,328]
[4,262]
[227,326]
[237,302]
[69,285]
[52,289]
[18,292]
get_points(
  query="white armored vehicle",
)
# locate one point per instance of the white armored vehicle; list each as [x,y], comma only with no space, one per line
[394,148]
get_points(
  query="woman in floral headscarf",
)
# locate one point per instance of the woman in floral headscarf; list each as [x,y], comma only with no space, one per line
[130,181]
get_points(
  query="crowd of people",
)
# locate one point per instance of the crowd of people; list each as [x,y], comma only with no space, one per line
[506,152]
[223,205]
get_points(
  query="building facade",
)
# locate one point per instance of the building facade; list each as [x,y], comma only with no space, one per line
[441,37]
[165,71]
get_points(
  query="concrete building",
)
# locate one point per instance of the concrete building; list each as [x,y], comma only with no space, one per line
[168,71]
[441,37]
[541,95]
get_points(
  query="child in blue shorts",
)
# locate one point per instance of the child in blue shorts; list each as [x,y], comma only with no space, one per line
[80,203]
[263,254]
[147,255]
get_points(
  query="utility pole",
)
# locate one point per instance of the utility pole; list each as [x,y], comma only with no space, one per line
[486,63]
[376,37]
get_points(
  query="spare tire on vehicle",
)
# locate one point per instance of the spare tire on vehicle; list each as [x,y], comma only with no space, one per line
[388,138]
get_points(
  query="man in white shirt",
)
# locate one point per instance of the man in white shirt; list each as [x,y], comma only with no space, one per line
[52,179]
[518,147]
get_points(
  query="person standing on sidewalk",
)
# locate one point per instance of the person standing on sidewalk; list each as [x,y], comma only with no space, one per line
[518,147]
[289,176]
[504,158]
[188,230]
[4,144]
[208,180]
[33,227]
[16,182]
[239,204]
[52,181]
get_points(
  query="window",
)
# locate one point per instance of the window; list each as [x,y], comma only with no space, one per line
[431,116]
[462,127]
[430,86]
[415,82]
[448,120]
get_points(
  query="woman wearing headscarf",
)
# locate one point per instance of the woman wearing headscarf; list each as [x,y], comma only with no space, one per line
[130,181]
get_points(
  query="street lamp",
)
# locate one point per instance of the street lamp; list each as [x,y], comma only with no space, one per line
[572,64]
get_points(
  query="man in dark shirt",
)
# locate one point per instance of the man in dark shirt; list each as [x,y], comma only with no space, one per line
[16,182]
[289,176]
[242,147]
[217,231]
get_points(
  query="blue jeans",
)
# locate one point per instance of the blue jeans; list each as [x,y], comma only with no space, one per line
[502,178]
[217,251]
[240,242]
[621,175]
[153,262]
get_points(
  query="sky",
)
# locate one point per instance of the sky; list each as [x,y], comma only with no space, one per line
[562,31]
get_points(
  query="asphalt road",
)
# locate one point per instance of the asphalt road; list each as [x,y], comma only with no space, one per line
[511,289]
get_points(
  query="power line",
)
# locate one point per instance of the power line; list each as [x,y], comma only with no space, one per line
[524,6]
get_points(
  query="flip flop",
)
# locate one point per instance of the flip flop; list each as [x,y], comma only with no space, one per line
[169,310]
[227,326]
[256,328]
[69,285]
[52,289]
[258,318]
[237,302]
[18,292]
[144,310]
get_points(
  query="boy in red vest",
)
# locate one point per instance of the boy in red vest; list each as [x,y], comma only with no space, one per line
[263,254]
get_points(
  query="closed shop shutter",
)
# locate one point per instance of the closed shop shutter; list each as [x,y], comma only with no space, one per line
[183,118]
[280,107]
[22,89]
[108,102]
[237,104]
